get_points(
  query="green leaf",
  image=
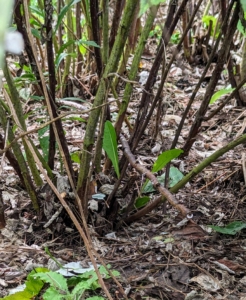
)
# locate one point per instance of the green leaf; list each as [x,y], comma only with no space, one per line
[36,33]
[37,98]
[81,287]
[146,4]
[54,279]
[141,201]
[110,145]
[82,49]
[221,93]
[231,228]
[75,157]
[75,119]
[243,3]
[63,12]
[240,28]
[174,177]
[207,19]
[60,58]
[44,142]
[65,46]
[32,287]
[164,158]
[42,131]
[52,293]
[88,43]
[35,9]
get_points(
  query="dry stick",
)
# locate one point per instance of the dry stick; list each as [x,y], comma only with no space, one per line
[142,170]
[86,239]
[21,135]
[187,178]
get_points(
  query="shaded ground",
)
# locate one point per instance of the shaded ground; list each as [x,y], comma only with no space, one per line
[156,258]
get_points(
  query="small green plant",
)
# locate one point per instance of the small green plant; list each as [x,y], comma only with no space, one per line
[69,286]
[175,37]
[174,176]
[207,19]
[156,32]
[162,160]
[231,228]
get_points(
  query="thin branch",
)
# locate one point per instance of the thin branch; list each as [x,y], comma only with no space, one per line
[142,170]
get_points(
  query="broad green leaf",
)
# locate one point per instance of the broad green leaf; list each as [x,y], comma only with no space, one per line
[110,145]
[207,19]
[36,33]
[164,158]
[52,293]
[221,93]
[141,201]
[146,4]
[231,228]
[56,280]
[32,287]
[240,28]
[29,76]
[75,157]
[81,287]
[174,177]
[63,12]
[82,49]
[59,59]
[243,3]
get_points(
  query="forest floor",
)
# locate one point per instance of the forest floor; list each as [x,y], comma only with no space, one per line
[156,258]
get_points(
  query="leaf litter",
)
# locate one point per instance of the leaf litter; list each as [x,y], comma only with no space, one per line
[162,255]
